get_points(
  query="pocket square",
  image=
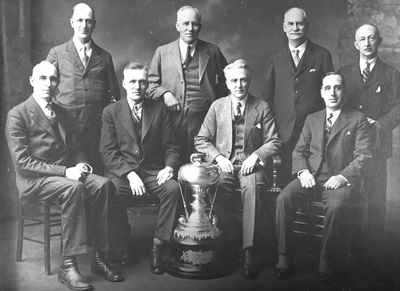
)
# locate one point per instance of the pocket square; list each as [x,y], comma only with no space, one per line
[258,125]
[378,89]
[312,70]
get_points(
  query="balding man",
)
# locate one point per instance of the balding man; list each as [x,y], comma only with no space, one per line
[293,80]
[46,170]
[87,82]
[374,88]
[187,75]
[239,135]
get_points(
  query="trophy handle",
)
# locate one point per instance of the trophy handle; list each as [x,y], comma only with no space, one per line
[197,158]
[184,202]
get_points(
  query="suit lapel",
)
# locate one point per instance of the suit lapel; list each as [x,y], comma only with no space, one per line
[126,118]
[375,74]
[94,59]
[203,58]
[75,56]
[338,125]
[40,119]
[250,116]
[147,118]
[288,60]
[305,60]
[175,55]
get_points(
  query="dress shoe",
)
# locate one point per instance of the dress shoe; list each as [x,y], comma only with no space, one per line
[156,259]
[101,267]
[249,271]
[283,273]
[69,275]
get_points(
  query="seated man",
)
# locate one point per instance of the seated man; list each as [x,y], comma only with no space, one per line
[239,134]
[140,154]
[45,170]
[329,157]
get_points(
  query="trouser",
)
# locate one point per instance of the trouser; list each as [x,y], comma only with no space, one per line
[224,206]
[85,211]
[337,222]
[169,195]
[187,124]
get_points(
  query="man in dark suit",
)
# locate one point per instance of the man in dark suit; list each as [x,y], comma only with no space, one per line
[239,134]
[374,88]
[187,75]
[293,80]
[140,154]
[39,147]
[87,82]
[330,155]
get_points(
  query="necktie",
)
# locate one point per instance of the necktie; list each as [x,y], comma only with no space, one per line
[238,110]
[85,57]
[49,111]
[296,57]
[329,123]
[188,57]
[365,73]
[137,112]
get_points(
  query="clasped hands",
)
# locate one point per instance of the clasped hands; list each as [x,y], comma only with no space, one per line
[247,166]
[137,186]
[307,181]
[78,172]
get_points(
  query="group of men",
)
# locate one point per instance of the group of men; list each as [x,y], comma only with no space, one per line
[73,124]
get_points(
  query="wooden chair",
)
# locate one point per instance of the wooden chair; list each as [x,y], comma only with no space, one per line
[32,213]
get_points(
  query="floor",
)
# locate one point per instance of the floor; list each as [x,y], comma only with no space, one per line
[29,274]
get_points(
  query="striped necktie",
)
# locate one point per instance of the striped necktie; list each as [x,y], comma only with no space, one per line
[329,123]
[296,57]
[365,72]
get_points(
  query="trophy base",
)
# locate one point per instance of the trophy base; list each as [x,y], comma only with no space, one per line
[201,261]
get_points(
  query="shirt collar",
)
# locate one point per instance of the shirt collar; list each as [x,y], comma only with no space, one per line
[301,48]
[41,102]
[243,101]
[335,113]
[79,46]
[371,62]
[183,47]
[132,104]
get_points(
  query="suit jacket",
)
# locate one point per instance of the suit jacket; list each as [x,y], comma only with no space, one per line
[80,86]
[166,71]
[123,150]
[295,92]
[36,149]
[260,135]
[378,98]
[346,152]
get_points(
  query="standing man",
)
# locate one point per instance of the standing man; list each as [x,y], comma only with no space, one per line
[239,134]
[374,88]
[187,74]
[293,81]
[329,158]
[87,82]
[46,170]
[140,154]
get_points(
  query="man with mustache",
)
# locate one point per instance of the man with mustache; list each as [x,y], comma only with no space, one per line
[187,74]
[293,80]
[374,88]
[87,82]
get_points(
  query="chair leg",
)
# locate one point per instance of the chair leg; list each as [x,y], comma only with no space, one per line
[46,239]
[20,238]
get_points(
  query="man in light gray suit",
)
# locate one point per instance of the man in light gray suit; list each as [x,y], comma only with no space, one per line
[187,75]
[239,134]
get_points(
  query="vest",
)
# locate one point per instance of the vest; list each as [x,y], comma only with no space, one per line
[237,156]
[193,96]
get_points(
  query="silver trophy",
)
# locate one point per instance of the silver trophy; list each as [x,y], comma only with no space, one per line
[196,238]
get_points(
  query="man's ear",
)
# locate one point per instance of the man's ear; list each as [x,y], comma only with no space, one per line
[31,81]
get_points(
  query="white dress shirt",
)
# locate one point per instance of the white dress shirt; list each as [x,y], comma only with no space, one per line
[242,102]
[79,47]
[301,48]
[363,64]
[335,113]
[43,104]
[183,47]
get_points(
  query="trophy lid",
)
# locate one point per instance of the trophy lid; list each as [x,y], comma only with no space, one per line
[199,172]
